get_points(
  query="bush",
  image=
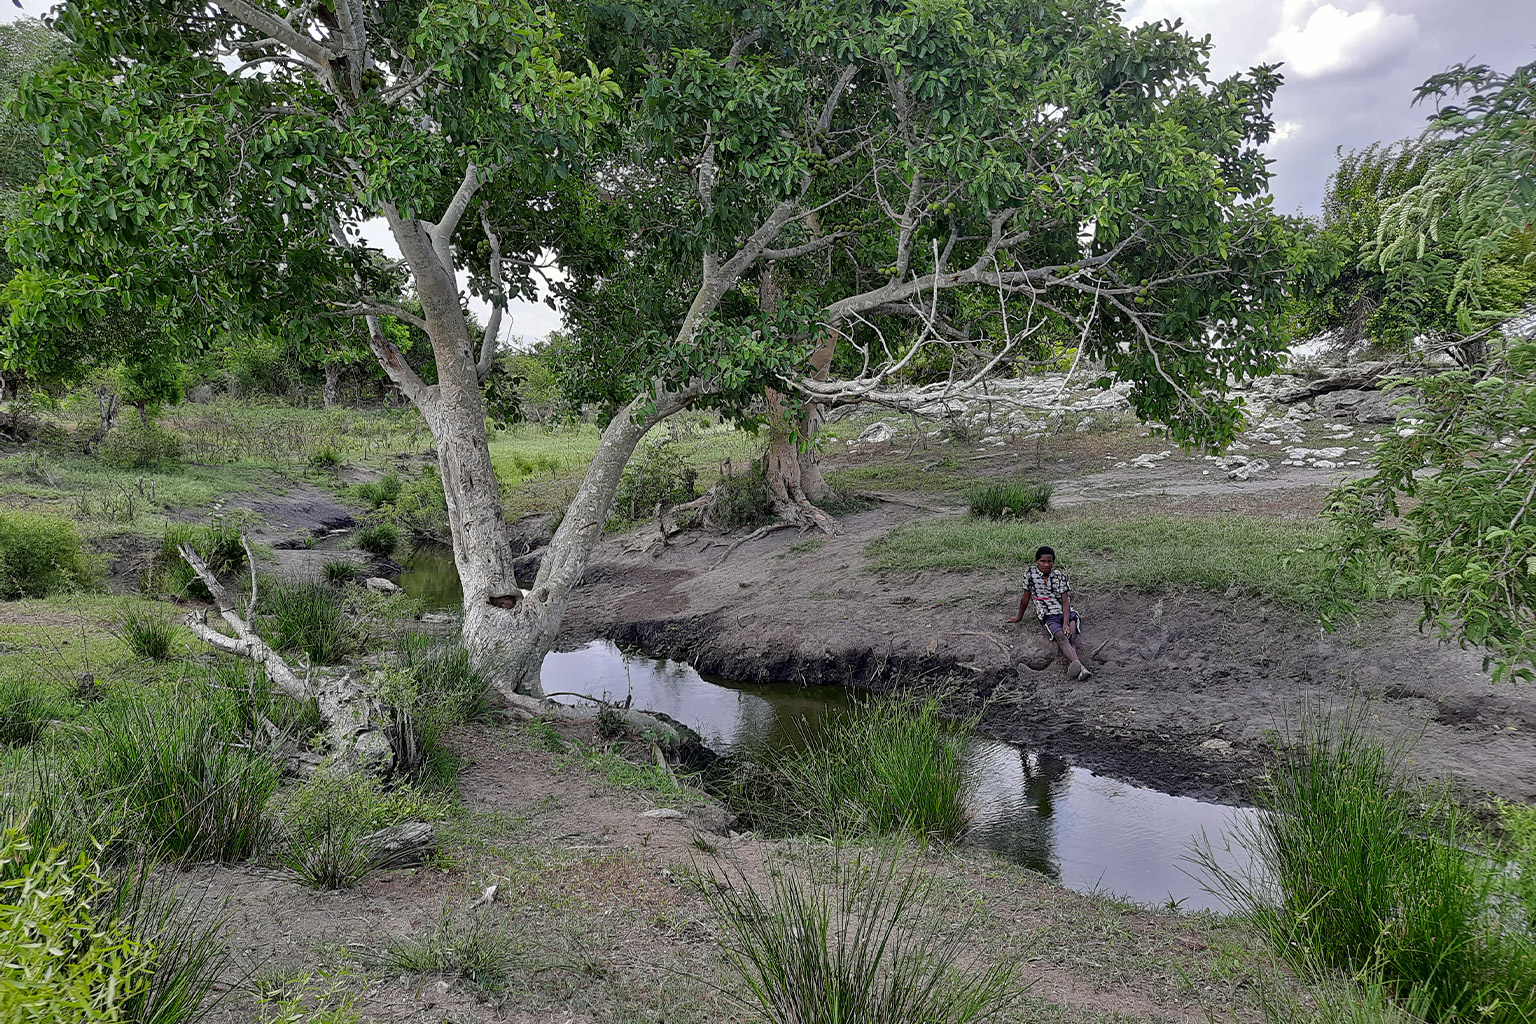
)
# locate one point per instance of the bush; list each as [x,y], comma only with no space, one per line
[1362,872]
[887,766]
[742,501]
[179,768]
[325,458]
[857,950]
[39,555]
[325,821]
[378,538]
[1009,500]
[217,544]
[138,447]
[304,617]
[87,943]
[146,633]
[658,474]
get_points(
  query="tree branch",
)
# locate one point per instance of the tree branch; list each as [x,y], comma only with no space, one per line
[280,30]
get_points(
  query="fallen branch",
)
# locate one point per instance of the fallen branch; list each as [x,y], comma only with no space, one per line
[347,708]
[896,499]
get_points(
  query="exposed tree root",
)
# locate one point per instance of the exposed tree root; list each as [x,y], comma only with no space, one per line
[756,534]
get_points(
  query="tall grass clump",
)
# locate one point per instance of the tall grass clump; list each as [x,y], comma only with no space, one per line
[28,705]
[1008,500]
[140,446]
[305,617]
[146,633]
[325,825]
[1365,872]
[888,766]
[378,538]
[434,689]
[189,784]
[381,492]
[861,950]
[40,555]
[476,951]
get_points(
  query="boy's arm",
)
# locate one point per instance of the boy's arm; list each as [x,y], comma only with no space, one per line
[1023,603]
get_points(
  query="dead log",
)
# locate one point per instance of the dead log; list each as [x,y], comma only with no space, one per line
[1355,377]
[400,846]
[347,707]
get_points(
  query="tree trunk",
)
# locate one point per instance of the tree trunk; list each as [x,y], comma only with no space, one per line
[109,402]
[506,631]
[794,477]
[330,391]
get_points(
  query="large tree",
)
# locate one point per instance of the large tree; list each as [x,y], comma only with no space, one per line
[965,174]
[1449,506]
[922,194]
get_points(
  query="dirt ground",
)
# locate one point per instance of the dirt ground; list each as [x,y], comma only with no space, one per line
[1190,691]
[596,917]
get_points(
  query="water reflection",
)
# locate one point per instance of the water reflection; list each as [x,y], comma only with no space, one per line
[431,577]
[1089,831]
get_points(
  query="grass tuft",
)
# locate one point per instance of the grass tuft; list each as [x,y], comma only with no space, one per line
[27,706]
[887,766]
[863,948]
[148,634]
[1366,873]
[379,538]
[484,956]
[1008,500]
[309,618]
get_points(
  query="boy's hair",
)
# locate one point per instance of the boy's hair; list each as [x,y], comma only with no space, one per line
[1042,551]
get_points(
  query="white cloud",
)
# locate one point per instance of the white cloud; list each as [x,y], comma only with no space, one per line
[1284,130]
[1332,40]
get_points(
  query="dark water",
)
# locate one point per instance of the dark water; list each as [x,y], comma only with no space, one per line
[431,577]
[1089,831]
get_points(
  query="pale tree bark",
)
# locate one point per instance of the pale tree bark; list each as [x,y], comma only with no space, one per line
[330,391]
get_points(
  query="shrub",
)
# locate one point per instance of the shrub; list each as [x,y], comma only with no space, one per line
[378,538]
[887,766]
[39,555]
[1363,872]
[742,501]
[857,950]
[148,634]
[187,783]
[303,617]
[658,473]
[324,824]
[138,447]
[1009,500]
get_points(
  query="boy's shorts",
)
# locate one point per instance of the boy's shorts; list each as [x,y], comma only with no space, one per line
[1053,623]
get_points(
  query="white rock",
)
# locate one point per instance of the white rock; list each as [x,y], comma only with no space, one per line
[877,432]
[1249,470]
[1325,464]
[662,812]
[381,584]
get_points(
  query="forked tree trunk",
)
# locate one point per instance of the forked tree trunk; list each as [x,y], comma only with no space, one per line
[794,479]
[506,631]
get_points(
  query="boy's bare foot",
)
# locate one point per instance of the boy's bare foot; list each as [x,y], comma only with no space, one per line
[1013,618]
[1074,670]
[1082,671]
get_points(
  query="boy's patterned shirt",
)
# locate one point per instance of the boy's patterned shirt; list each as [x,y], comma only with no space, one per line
[1046,592]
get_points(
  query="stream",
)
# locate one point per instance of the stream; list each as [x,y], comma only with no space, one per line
[1089,831]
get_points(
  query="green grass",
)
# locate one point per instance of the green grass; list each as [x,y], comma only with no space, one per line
[886,766]
[40,555]
[27,706]
[860,949]
[1009,500]
[1367,873]
[378,538]
[1149,553]
[308,618]
[433,690]
[485,957]
[324,822]
[148,633]
[188,781]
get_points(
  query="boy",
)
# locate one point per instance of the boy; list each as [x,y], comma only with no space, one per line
[1047,586]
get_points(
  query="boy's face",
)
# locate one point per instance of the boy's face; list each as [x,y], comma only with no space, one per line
[1046,563]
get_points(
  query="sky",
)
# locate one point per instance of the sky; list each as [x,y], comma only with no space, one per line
[1350,69]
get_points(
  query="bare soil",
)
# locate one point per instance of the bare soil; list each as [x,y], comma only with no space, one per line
[1190,692]
[599,918]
